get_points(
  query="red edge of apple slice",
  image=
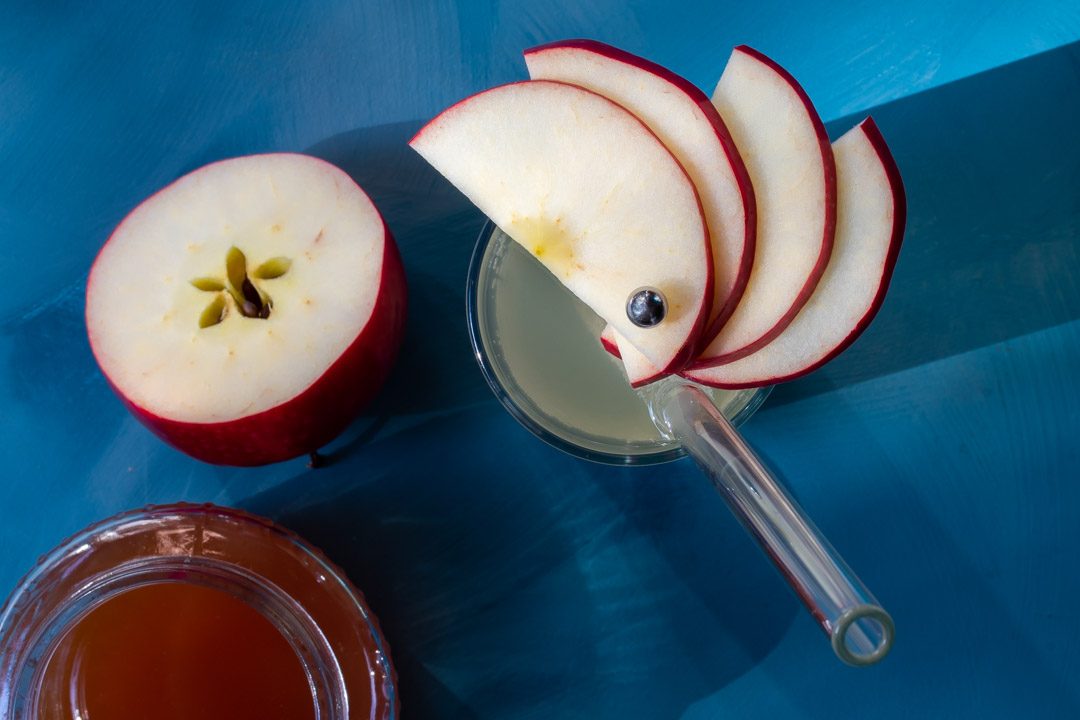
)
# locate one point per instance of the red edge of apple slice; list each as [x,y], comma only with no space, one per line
[896,184]
[612,348]
[322,399]
[682,357]
[742,177]
[646,381]
[830,219]
[609,344]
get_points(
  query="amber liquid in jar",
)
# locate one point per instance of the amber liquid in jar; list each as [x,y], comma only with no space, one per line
[176,651]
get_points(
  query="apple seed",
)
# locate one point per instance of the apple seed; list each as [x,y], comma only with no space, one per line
[214,313]
[208,284]
[236,268]
[273,268]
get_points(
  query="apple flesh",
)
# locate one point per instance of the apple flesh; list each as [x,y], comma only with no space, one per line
[592,193]
[247,312]
[871,212]
[786,150]
[688,124]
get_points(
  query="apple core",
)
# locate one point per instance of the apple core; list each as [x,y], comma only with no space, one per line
[246,299]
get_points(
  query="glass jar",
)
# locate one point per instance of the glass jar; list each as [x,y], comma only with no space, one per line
[190,593]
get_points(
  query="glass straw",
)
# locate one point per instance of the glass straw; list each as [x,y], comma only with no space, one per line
[859,628]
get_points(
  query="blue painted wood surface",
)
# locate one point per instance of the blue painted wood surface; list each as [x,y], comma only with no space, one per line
[939,454]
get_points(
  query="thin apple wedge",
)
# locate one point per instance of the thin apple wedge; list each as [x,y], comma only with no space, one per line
[609,342]
[639,371]
[786,150]
[871,212]
[688,124]
[593,194]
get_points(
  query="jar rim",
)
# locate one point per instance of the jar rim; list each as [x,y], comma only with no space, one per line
[68,582]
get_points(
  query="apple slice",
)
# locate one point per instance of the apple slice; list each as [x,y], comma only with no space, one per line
[592,193]
[787,153]
[248,311]
[609,341]
[688,124]
[639,371]
[871,211]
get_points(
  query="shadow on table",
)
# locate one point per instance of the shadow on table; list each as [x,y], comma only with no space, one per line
[435,228]
[511,579]
[991,166]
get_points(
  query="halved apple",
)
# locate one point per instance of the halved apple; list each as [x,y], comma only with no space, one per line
[248,311]
[590,191]
[786,150]
[871,211]
[688,124]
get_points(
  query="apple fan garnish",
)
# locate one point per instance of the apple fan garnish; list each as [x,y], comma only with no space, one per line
[248,312]
[729,244]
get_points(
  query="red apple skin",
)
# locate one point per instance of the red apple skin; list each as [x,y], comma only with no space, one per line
[742,177]
[896,184]
[320,413]
[610,346]
[829,228]
[645,381]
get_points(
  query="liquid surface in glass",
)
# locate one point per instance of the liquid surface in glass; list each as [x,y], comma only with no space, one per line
[542,344]
[175,650]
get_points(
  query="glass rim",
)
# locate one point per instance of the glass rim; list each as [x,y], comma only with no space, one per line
[487,369]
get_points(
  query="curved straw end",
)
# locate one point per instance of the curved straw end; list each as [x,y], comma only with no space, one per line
[863,635]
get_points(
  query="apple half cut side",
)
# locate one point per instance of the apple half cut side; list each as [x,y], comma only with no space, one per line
[688,124]
[247,312]
[592,193]
[786,150]
[871,213]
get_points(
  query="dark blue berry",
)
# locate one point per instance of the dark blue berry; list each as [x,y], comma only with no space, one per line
[646,307]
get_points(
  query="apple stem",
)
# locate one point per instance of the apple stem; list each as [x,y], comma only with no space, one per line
[316,460]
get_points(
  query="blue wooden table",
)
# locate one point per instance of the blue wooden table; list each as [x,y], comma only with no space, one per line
[940,454]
